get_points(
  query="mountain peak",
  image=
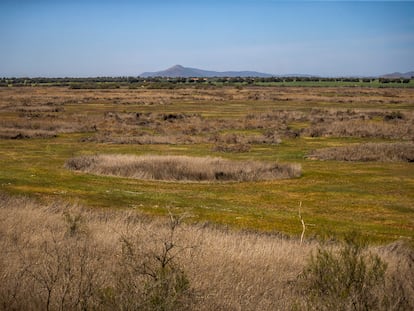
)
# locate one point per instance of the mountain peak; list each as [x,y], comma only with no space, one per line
[176,67]
[181,71]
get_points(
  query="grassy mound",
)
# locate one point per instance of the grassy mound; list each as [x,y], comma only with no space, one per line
[182,168]
[383,152]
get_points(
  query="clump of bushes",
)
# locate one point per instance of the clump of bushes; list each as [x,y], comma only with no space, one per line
[361,128]
[269,137]
[25,134]
[231,147]
[384,152]
[346,279]
[182,168]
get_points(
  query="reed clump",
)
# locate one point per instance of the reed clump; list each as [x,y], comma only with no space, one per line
[182,168]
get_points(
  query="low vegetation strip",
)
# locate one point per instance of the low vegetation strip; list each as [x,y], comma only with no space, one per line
[383,152]
[182,168]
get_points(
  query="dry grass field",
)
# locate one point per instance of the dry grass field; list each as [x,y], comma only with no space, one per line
[63,257]
[88,176]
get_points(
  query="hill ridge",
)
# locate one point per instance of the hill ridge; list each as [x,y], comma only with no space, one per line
[179,71]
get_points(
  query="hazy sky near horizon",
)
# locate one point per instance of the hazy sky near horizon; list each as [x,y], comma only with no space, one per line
[126,38]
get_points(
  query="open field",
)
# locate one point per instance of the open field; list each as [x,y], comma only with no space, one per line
[41,128]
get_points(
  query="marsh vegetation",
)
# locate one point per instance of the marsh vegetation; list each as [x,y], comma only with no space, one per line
[83,209]
[42,128]
[382,152]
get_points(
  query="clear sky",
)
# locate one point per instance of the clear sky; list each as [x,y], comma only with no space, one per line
[125,38]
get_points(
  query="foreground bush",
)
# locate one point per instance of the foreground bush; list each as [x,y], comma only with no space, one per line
[345,280]
[182,168]
[150,279]
[353,278]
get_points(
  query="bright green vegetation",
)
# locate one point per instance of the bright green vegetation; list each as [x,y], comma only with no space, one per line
[375,198]
[337,197]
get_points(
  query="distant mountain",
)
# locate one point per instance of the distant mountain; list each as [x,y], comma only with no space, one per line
[185,72]
[394,75]
[179,71]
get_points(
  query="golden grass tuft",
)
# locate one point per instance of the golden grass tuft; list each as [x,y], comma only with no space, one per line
[182,168]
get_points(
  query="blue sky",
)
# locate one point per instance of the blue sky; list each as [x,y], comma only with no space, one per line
[122,38]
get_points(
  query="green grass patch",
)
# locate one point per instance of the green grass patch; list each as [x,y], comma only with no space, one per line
[337,197]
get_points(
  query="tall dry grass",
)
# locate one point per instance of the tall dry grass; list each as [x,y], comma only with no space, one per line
[50,261]
[64,257]
[384,152]
[42,125]
[142,139]
[362,129]
[271,126]
[183,168]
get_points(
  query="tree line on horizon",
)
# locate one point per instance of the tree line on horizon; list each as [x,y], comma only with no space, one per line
[116,82]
